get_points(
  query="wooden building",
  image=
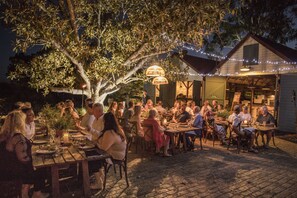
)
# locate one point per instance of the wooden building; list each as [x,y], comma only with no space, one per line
[264,72]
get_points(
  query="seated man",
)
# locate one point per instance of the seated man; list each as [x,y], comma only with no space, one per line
[197,122]
[182,116]
[235,119]
[265,118]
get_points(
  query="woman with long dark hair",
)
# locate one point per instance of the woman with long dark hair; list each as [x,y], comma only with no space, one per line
[113,141]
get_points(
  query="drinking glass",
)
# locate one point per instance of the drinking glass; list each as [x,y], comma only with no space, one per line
[264,123]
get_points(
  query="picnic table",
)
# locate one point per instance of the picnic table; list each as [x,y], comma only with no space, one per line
[66,155]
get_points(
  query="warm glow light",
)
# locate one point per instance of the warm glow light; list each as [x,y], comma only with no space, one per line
[160,80]
[155,70]
[245,68]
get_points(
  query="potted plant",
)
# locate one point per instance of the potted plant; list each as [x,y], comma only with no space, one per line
[223,115]
[52,118]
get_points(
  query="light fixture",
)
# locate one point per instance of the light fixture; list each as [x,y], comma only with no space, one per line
[155,70]
[160,80]
[245,68]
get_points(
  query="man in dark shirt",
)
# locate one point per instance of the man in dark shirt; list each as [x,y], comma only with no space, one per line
[266,119]
[182,116]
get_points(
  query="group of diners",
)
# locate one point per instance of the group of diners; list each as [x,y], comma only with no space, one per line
[108,132]
[19,128]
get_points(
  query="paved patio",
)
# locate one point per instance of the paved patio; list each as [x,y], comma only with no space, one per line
[212,172]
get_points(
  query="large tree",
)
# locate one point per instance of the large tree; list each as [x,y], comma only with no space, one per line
[103,43]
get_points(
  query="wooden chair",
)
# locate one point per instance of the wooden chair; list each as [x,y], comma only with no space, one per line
[241,141]
[122,164]
[148,137]
[210,130]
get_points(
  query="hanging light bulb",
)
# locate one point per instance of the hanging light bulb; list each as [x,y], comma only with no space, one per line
[160,80]
[155,70]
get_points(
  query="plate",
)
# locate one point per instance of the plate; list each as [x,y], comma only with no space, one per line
[86,147]
[72,131]
[45,152]
[77,136]
[40,142]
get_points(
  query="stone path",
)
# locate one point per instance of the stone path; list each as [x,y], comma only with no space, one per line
[212,172]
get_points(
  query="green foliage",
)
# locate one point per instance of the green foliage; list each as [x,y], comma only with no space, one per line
[223,114]
[106,43]
[275,20]
[51,117]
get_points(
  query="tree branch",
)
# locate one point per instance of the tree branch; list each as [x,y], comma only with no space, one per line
[78,65]
[71,91]
[72,19]
[135,54]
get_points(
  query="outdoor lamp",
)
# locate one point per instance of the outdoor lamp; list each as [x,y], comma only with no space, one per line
[155,70]
[245,68]
[160,80]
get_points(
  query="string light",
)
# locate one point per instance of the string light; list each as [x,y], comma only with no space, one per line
[238,60]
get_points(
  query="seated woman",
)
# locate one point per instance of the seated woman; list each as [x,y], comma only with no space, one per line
[137,119]
[113,141]
[159,138]
[120,110]
[15,155]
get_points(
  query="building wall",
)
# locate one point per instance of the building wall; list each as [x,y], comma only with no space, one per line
[287,114]
[233,67]
[215,89]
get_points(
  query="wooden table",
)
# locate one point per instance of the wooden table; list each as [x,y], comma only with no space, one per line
[172,130]
[68,155]
[263,130]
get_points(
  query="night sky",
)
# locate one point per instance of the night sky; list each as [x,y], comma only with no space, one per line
[6,50]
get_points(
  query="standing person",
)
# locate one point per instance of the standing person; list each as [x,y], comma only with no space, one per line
[145,97]
[16,158]
[112,140]
[88,118]
[235,119]
[266,119]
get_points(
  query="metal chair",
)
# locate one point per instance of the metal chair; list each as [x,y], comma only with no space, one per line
[122,164]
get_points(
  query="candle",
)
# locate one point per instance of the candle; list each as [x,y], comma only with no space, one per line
[164,122]
[66,138]
[245,122]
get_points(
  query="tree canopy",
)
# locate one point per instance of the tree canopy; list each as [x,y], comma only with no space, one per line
[103,44]
[272,19]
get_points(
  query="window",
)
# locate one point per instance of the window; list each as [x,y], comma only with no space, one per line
[251,54]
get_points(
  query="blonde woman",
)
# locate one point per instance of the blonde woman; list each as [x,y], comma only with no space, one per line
[15,155]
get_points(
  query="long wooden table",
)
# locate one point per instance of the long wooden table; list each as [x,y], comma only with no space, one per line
[173,130]
[68,155]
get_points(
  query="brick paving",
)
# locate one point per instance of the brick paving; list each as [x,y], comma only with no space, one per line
[212,172]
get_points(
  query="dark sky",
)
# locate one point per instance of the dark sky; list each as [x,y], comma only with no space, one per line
[6,50]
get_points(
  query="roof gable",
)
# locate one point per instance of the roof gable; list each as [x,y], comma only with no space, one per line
[200,65]
[284,52]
